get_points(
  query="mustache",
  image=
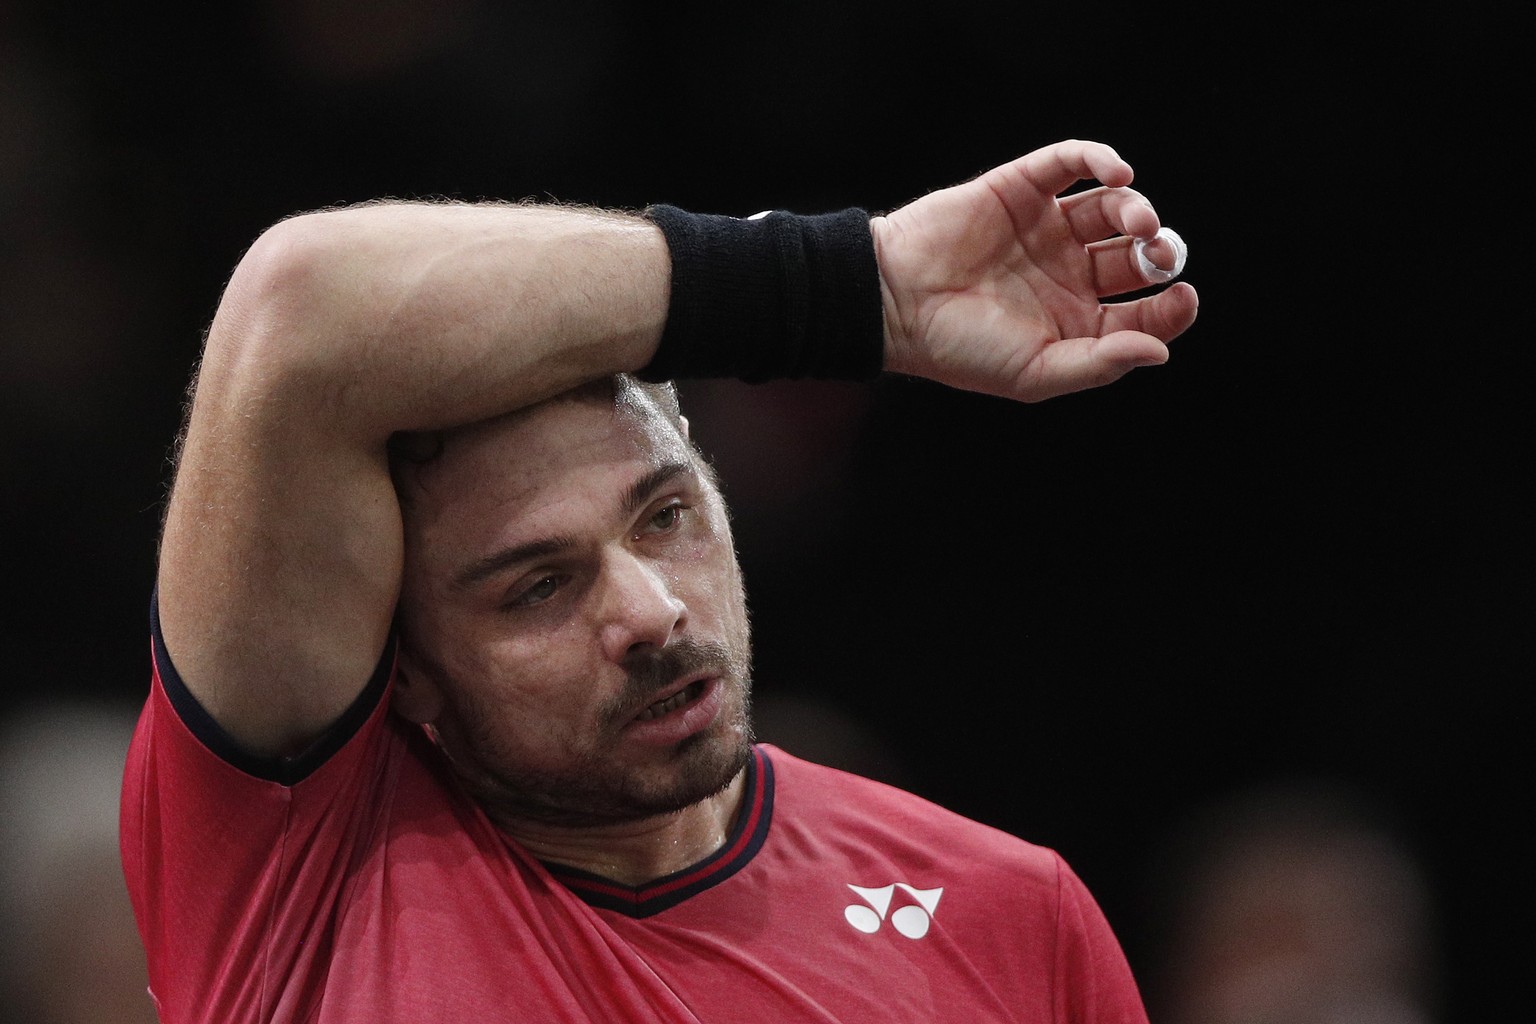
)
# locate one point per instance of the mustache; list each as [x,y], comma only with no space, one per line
[654,669]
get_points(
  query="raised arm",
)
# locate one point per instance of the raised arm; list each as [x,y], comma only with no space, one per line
[281,555]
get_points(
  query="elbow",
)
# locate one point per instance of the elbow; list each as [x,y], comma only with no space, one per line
[282,276]
[281,309]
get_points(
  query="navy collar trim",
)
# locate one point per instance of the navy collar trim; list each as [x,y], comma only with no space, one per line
[746,838]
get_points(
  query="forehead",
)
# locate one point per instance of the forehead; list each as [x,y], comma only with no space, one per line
[545,469]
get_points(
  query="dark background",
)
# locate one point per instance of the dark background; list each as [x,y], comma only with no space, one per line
[1302,548]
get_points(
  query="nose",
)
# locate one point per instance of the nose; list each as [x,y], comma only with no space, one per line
[639,607]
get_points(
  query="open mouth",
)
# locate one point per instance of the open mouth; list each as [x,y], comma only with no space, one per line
[686,695]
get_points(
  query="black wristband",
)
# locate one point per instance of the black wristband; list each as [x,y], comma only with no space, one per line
[779,295]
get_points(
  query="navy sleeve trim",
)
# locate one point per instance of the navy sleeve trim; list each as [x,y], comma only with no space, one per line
[287,771]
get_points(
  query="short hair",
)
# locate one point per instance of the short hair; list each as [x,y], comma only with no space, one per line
[410,450]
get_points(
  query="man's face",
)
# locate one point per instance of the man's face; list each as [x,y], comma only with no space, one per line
[573,618]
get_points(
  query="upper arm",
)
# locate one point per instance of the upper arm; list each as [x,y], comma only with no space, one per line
[283,544]
[281,552]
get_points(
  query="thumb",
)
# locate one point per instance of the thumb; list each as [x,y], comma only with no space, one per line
[1079,364]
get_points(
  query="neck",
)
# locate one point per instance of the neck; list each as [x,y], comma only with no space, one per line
[636,852]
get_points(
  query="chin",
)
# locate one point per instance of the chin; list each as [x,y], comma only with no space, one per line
[709,766]
[603,791]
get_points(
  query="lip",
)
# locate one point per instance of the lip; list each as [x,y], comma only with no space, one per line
[680,723]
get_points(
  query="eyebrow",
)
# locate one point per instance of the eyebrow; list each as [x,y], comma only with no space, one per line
[641,490]
[499,561]
[635,497]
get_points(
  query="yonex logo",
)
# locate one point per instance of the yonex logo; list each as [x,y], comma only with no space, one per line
[911,919]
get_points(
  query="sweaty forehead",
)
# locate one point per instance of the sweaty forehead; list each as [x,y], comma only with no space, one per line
[540,454]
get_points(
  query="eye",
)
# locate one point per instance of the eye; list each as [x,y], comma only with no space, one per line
[666,519]
[542,590]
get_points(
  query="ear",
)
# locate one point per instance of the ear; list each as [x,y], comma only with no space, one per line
[417,697]
[682,423]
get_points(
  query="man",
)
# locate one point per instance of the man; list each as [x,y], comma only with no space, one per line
[438,432]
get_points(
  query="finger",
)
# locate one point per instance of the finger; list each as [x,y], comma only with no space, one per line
[1162,257]
[1055,168]
[1102,213]
[1127,264]
[1115,267]
[1165,315]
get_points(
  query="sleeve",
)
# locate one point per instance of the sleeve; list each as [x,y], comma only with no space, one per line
[1093,982]
[234,864]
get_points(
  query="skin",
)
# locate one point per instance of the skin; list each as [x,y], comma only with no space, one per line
[569,567]
[287,555]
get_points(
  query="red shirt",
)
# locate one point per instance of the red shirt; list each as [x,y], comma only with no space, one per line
[370,889]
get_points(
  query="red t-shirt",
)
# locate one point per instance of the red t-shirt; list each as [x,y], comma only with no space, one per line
[365,887]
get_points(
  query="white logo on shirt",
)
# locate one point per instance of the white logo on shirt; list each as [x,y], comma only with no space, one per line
[911,919]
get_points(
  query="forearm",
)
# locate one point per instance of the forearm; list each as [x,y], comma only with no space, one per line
[416,316]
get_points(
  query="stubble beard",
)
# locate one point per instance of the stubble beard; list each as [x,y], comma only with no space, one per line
[595,788]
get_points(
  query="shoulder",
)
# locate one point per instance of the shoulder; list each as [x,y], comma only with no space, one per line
[909,827]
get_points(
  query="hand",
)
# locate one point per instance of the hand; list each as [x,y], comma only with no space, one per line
[996,285]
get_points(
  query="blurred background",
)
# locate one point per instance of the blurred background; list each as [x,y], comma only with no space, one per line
[1245,637]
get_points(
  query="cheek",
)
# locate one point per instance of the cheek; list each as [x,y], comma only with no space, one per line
[709,563]
[715,599]
[543,678]
[499,721]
